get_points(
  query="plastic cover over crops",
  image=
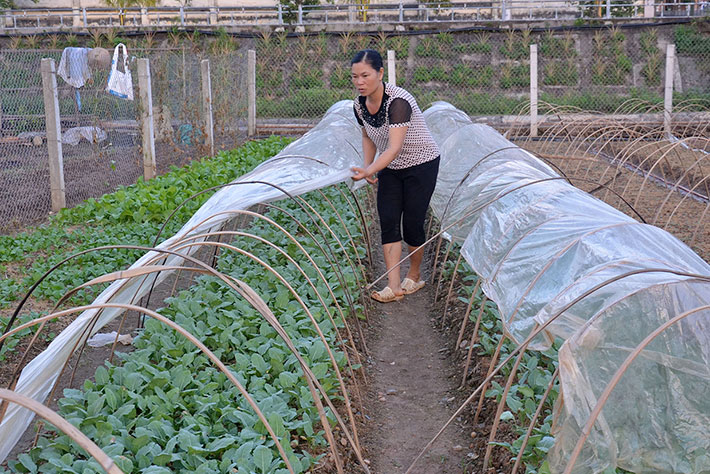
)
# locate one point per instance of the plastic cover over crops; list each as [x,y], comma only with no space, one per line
[543,247]
[320,158]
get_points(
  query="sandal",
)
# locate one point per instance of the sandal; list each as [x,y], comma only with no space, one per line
[410,286]
[385,295]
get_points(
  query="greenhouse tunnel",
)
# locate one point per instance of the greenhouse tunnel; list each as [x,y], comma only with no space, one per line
[630,301]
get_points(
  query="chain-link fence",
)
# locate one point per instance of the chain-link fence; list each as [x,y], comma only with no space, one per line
[24,170]
[488,72]
[101,133]
[298,77]
[178,101]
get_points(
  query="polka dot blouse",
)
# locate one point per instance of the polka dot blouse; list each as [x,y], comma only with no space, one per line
[398,109]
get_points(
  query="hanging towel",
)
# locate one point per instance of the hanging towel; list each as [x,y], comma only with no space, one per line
[74,66]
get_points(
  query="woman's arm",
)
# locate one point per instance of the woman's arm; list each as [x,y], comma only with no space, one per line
[394,146]
[368,149]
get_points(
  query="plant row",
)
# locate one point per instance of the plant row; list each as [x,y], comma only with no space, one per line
[530,383]
[166,408]
[132,215]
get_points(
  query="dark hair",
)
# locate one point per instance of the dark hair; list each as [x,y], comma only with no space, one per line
[368,56]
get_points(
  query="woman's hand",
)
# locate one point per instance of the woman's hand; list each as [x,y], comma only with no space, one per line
[361,173]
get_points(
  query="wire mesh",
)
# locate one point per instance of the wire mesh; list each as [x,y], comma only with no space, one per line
[177,101]
[101,133]
[106,155]
[24,170]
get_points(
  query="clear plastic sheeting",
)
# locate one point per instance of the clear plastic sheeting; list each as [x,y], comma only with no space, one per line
[543,247]
[320,158]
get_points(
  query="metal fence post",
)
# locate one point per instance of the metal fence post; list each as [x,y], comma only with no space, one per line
[281,15]
[533,90]
[207,104]
[352,14]
[148,131]
[54,133]
[83,16]
[668,93]
[608,8]
[300,14]
[145,21]
[251,92]
[401,12]
[391,68]
[182,16]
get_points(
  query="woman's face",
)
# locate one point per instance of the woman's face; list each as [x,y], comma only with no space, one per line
[365,78]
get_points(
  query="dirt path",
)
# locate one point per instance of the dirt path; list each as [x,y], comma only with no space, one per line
[411,391]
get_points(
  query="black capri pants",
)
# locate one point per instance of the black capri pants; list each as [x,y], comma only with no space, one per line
[404,195]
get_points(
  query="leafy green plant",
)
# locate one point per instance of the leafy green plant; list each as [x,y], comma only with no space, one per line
[689,40]
[306,76]
[305,103]
[400,46]
[514,76]
[223,44]
[481,45]
[428,47]
[479,76]
[651,71]
[560,73]
[552,46]
[165,408]
[515,46]
[481,103]
[424,74]
[611,65]
[340,78]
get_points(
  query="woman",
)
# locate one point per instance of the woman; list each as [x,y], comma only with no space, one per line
[407,167]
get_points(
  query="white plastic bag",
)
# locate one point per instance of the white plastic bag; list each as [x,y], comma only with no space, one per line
[120,83]
[104,339]
[91,134]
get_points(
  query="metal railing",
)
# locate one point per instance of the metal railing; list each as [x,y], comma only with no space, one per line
[352,14]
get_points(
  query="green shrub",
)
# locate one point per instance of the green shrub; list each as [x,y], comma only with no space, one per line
[480,48]
[400,46]
[269,78]
[428,47]
[428,74]
[485,104]
[601,102]
[651,71]
[688,40]
[307,79]
[340,78]
[560,73]
[303,103]
[479,76]
[514,76]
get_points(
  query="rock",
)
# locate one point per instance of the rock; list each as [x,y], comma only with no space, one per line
[99,59]
[382,399]
[457,448]
[473,434]
[37,140]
